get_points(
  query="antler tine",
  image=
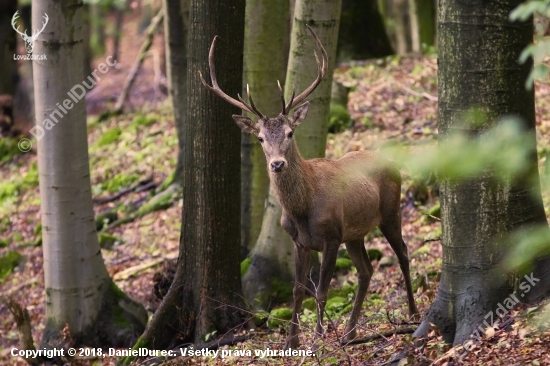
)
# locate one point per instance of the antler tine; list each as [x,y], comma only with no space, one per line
[13,19]
[282,93]
[289,105]
[215,88]
[257,112]
[322,70]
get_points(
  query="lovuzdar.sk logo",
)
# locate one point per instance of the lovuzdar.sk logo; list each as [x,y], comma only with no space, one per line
[29,40]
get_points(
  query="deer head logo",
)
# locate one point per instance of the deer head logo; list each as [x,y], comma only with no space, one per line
[29,41]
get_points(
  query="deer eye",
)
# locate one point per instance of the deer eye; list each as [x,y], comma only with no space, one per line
[290,134]
[260,139]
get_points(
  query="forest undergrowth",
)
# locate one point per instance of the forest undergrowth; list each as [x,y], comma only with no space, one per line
[131,155]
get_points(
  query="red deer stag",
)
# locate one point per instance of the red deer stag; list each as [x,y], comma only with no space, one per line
[325,202]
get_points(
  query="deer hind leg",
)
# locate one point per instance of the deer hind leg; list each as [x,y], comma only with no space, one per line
[392,232]
[301,258]
[361,261]
[325,274]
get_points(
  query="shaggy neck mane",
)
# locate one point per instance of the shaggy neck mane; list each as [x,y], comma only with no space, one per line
[292,186]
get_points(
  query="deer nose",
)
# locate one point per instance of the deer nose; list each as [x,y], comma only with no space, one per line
[277,166]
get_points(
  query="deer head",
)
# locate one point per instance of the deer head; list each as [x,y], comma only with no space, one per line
[29,40]
[275,134]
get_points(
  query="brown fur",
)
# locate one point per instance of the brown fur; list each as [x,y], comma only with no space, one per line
[329,202]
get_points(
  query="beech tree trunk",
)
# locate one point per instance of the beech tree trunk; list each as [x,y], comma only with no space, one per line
[79,291]
[414,26]
[176,24]
[427,14]
[362,33]
[206,293]
[266,35]
[478,67]
[399,13]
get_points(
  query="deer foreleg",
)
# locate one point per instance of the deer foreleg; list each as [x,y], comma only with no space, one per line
[301,257]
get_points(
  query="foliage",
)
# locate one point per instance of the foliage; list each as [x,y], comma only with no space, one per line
[500,150]
[109,137]
[8,149]
[119,181]
[279,317]
[339,118]
[8,262]
[540,49]
[244,266]
[343,264]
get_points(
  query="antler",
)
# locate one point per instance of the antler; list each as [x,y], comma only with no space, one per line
[36,33]
[322,70]
[13,19]
[217,90]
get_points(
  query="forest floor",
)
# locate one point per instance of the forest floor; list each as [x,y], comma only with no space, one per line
[392,100]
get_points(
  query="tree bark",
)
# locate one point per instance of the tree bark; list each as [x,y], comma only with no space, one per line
[176,23]
[362,33]
[414,26]
[478,67]
[399,12]
[7,47]
[427,12]
[79,291]
[265,59]
[206,293]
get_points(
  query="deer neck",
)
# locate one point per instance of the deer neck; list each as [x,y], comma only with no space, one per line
[293,187]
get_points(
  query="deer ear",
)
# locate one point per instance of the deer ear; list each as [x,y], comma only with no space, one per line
[246,124]
[299,115]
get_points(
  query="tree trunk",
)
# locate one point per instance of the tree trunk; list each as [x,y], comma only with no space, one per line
[176,23]
[7,47]
[478,212]
[414,26]
[117,32]
[399,12]
[426,11]
[265,59]
[362,33]
[97,15]
[79,291]
[206,293]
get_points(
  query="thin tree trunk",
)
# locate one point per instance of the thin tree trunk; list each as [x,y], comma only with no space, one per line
[362,33]
[97,16]
[206,293]
[176,24]
[478,211]
[265,59]
[117,33]
[79,291]
[427,14]
[414,26]
[399,11]
[7,47]
[151,29]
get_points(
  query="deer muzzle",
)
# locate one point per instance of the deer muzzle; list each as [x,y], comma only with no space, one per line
[277,166]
